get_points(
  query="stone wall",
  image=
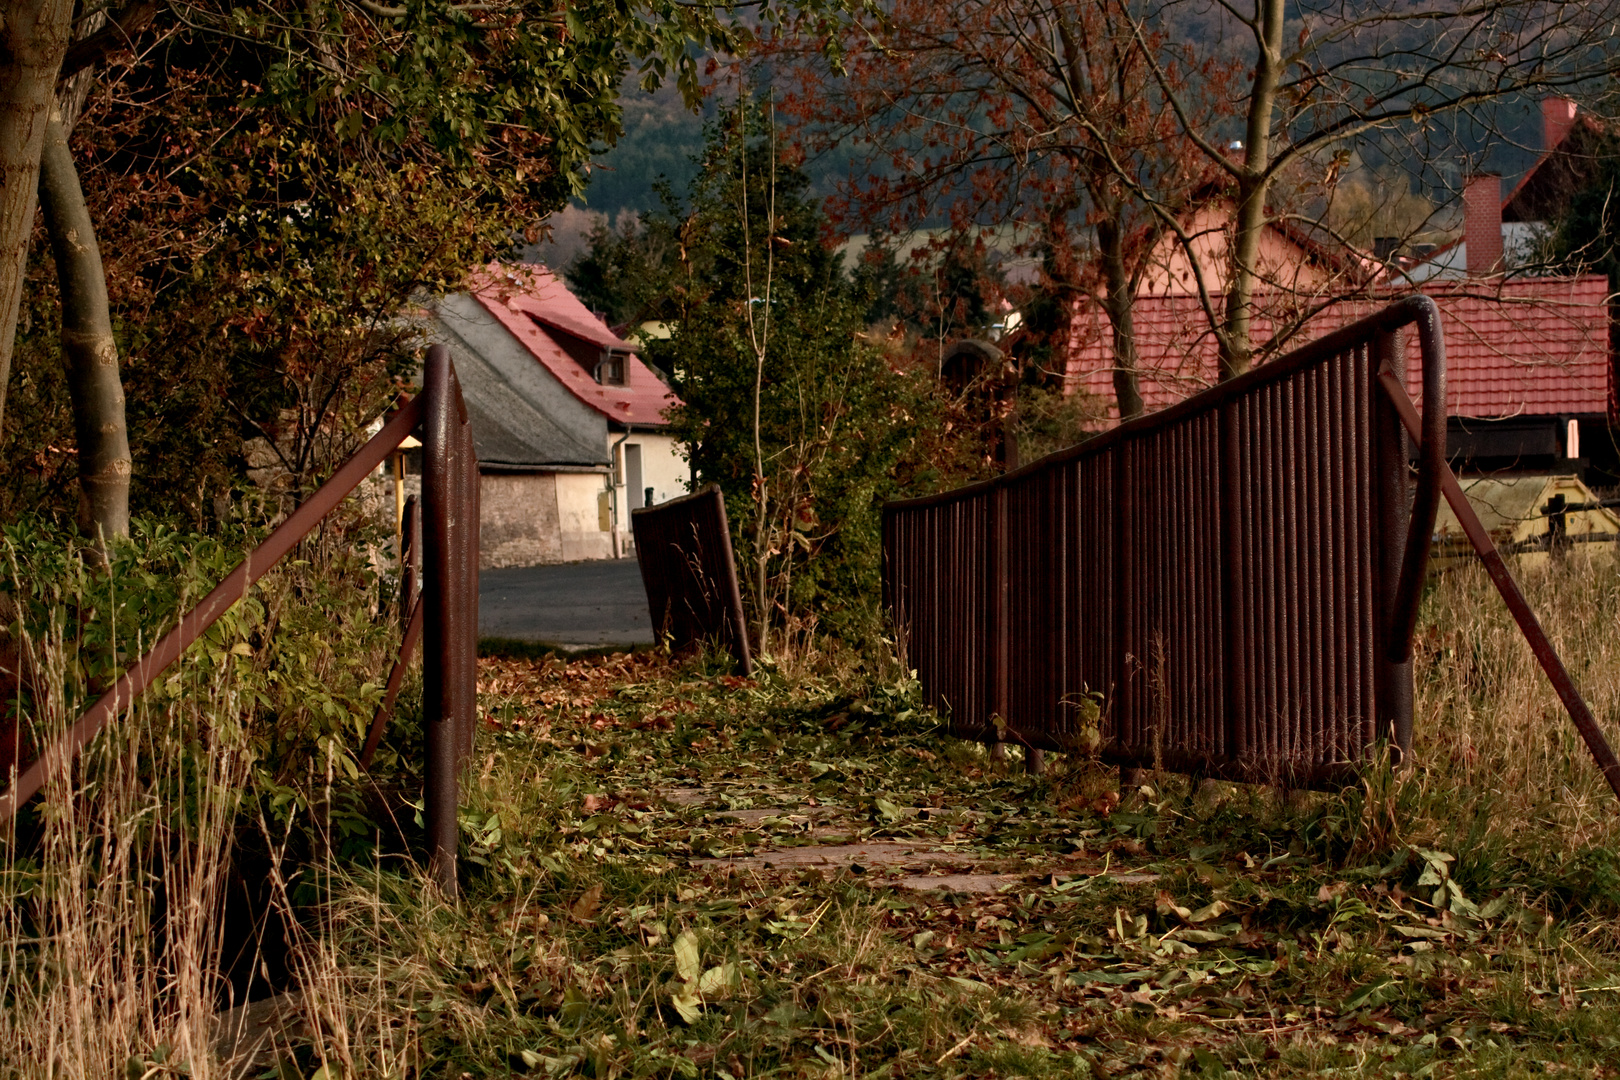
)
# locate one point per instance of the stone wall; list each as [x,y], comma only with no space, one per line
[518,520]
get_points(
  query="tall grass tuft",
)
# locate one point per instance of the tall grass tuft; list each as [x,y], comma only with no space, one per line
[1493,743]
[111,890]
[114,881]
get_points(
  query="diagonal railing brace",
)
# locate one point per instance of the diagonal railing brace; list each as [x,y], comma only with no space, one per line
[1529,625]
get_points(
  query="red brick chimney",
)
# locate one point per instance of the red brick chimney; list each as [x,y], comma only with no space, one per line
[1557,117]
[1482,224]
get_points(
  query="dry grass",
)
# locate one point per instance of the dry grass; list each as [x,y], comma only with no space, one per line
[110,900]
[1490,734]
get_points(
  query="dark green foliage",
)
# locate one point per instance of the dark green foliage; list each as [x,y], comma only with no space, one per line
[843,424]
[1587,235]
[941,288]
[839,423]
[306,651]
[627,273]
[274,184]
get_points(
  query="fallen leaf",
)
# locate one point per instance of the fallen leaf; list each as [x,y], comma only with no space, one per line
[688,959]
[586,907]
[718,982]
[687,1004]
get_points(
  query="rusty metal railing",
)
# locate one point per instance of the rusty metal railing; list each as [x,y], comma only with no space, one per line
[1237,576]
[684,548]
[447,607]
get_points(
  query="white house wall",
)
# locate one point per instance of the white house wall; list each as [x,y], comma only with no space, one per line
[663,469]
[579,516]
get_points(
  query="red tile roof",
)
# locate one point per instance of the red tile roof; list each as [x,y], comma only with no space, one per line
[1529,347]
[543,315]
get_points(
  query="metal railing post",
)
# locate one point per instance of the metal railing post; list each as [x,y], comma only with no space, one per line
[1392,680]
[448,695]
[999,613]
[467,565]
[1233,617]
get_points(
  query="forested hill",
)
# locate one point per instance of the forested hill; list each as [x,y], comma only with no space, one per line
[662,137]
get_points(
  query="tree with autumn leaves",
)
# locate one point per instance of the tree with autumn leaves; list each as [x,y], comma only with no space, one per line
[1098,129]
[991,113]
[245,196]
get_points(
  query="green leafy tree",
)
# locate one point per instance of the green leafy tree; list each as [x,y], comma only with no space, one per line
[804,422]
[627,271]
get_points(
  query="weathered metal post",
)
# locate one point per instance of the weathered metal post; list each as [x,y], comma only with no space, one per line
[467,652]
[450,645]
[999,615]
[1392,680]
[1123,703]
[1233,620]
[727,572]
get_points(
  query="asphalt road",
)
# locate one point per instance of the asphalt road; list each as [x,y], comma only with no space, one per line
[573,605]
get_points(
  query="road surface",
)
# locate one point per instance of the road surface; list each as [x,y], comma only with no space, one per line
[571,605]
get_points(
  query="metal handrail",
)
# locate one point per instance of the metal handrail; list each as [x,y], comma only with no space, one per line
[1413,309]
[1432,466]
[1496,567]
[954,558]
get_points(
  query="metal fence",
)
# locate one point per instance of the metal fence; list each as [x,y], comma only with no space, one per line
[447,608]
[1234,580]
[684,548]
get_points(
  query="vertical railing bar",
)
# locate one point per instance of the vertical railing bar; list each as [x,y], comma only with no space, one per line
[1316,434]
[1124,551]
[1365,491]
[1393,454]
[1345,747]
[1252,663]
[440,696]
[1289,593]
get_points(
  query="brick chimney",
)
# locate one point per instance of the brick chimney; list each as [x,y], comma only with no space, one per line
[1557,117]
[1482,224]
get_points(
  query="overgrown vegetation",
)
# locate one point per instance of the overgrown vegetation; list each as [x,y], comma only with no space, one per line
[670,871]
[805,420]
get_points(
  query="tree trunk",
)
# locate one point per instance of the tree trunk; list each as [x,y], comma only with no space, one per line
[88,348]
[1254,184]
[1119,302]
[32,41]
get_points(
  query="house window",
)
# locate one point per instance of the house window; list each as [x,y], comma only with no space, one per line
[611,371]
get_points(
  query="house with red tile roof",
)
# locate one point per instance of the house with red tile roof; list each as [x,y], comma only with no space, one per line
[1526,359]
[568,421]
[1531,360]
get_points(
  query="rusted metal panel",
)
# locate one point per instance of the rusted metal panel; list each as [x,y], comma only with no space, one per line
[1237,576]
[690,573]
